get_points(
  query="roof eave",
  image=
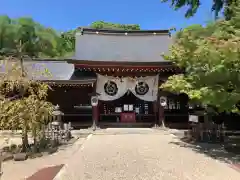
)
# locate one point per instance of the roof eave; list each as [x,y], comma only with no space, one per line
[120,63]
[85,81]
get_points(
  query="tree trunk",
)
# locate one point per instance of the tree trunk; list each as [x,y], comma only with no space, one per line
[34,134]
[25,143]
[24,140]
[208,124]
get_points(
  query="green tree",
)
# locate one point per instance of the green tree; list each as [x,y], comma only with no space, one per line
[108,25]
[210,57]
[23,103]
[32,39]
[193,5]
[25,37]
[7,35]
[68,41]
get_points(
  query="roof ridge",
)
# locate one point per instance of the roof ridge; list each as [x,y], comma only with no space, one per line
[120,31]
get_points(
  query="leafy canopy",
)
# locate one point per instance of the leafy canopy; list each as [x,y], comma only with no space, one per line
[108,25]
[23,103]
[193,5]
[34,39]
[210,57]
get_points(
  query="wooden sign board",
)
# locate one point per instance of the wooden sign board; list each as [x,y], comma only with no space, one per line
[193,118]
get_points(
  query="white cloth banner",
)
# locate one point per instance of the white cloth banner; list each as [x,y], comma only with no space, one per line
[152,82]
[124,85]
[121,87]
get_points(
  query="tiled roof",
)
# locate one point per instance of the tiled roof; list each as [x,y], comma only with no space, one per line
[58,70]
[129,46]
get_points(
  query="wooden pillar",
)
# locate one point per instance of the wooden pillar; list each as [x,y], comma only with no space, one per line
[161,116]
[95,109]
[155,110]
[157,105]
[95,116]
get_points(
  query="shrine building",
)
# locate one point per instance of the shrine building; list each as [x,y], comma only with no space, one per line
[123,70]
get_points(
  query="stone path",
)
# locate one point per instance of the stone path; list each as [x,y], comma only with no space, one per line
[141,155]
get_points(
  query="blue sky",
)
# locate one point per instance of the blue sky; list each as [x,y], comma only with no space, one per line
[69,14]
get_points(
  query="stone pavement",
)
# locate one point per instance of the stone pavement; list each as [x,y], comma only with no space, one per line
[141,154]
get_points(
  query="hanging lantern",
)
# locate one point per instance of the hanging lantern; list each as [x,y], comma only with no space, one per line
[163,101]
[94,100]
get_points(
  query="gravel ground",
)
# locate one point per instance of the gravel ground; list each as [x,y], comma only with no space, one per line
[149,155]
[13,170]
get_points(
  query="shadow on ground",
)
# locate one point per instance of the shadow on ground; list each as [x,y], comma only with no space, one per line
[215,151]
[47,173]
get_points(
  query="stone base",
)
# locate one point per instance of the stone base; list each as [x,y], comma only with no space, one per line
[20,157]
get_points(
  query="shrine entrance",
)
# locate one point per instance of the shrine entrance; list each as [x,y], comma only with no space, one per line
[127,100]
[127,109]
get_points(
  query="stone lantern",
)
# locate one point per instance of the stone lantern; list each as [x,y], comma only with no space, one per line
[57,115]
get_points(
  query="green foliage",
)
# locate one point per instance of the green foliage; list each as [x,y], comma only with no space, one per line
[26,37]
[23,103]
[210,57]
[32,39]
[68,38]
[193,5]
[108,25]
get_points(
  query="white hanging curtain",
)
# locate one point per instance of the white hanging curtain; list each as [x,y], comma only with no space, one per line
[111,88]
[107,89]
[145,88]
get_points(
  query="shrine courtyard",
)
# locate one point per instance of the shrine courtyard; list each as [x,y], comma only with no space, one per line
[129,154]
